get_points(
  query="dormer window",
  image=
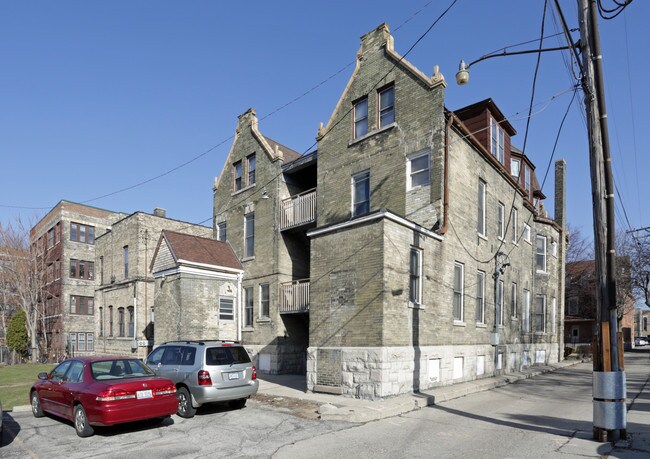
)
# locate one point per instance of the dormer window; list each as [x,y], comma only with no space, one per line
[515,168]
[527,180]
[498,140]
[361,118]
[386,106]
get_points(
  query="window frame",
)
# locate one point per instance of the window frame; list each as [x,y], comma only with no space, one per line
[360,207]
[121,332]
[222,231]
[553,315]
[527,233]
[80,232]
[81,269]
[248,306]
[249,235]
[251,171]
[500,302]
[540,325]
[388,110]
[130,321]
[518,162]
[265,301]
[358,121]
[415,278]
[501,220]
[410,173]
[82,305]
[497,141]
[514,313]
[526,312]
[480,297]
[514,217]
[237,176]
[540,256]
[458,294]
[224,315]
[125,254]
[481,223]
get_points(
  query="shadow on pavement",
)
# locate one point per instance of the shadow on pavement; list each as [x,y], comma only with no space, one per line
[10,429]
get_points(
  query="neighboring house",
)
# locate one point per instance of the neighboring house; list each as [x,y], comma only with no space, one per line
[369,264]
[641,322]
[581,314]
[198,284]
[124,294]
[64,242]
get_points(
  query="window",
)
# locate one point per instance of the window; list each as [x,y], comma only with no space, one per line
[540,253]
[513,300]
[515,168]
[418,170]
[81,342]
[501,224]
[120,322]
[526,232]
[361,194]
[250,163]
[50,237]
[361,118]
[514,224]
[553,315]
[249,235]
[458,291]
[387,106]
[221,231]
[415,277]
[131,323]
[82,233]
[264,301]
[540,313]
[480,297]
[101,321]
[236,176]
[81,305]
[248,306]
[526,312]
[480,227]
[527,180]
[125,251]
[110,321]
[497,144]
[554,249]
[499,310]
[80,269]
[226,308]
[101,269]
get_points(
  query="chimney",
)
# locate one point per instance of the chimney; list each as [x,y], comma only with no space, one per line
[158,212]
[560,193]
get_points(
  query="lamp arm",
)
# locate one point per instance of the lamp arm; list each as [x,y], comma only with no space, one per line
[528,51]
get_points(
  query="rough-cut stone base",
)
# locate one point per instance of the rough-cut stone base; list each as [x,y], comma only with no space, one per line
[371,373]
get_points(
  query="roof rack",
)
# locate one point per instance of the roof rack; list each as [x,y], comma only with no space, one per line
[203,341]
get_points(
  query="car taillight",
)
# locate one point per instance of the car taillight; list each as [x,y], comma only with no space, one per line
[111,395]
[166,390]
[254,377]
[204,378]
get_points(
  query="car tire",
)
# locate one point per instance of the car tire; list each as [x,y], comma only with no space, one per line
[237,404]
[185,408]
[81,425]
[37,411]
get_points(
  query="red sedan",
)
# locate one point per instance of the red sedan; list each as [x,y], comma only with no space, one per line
[102,391]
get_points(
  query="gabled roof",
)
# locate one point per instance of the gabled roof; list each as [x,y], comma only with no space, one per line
[188,249]
[477,108]
[289,154]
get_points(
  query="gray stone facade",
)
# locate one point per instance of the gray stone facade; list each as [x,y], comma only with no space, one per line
[376,325]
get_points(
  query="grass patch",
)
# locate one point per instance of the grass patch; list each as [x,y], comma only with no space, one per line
[15,381]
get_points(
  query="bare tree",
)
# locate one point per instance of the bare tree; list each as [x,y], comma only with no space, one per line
[23,275]
[580,248]
[637,249]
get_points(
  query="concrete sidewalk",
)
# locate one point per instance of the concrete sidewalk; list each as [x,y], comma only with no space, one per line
[338,408]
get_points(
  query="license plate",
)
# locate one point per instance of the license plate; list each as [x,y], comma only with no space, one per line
[144,394]
[233,375]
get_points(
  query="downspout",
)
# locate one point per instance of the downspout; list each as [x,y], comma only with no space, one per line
[445,178]
[241,306]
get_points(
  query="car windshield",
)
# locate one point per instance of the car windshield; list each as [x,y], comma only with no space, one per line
[119,369]
[226,355]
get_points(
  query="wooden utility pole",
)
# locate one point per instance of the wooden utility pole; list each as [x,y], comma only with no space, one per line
[609,377]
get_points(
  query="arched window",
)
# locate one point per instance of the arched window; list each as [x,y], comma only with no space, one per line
[120,321]
[110,321]
[131,324]
[101,321]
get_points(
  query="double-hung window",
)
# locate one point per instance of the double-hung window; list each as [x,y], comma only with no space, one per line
[250,167]
[501,223]
[480,226]
[125,251]
[459,272]
[514,224]
[540,314]
[540,253]
[526,232]
[418,170]
[500,302]
[249,235]
[237,176]
[248,306]
[264,301]
[553,315]
[221,231]
[387,106]
[361,118]
[526,312]
[480,297]
[497,141]
[415,277]
[513,300]
[527,180]
[515,168]
[361,194]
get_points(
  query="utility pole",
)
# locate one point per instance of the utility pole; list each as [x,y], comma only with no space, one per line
[609,377]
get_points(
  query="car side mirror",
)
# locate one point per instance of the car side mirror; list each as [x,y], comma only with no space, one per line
[42,376]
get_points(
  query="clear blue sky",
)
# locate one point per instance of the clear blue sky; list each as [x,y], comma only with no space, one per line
[99,96]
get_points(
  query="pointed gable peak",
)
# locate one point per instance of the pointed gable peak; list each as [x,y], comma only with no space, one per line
[376,39]
[247,120]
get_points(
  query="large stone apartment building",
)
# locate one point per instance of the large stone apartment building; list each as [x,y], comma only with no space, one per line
[410,250]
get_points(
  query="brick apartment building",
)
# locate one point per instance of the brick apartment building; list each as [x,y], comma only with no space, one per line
[64,240]
[410,250]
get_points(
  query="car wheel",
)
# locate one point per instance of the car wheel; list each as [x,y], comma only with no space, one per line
[237,404]
[81,422]
[185,408]
[36,405]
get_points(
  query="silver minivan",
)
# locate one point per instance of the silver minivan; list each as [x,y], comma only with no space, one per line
[205,372]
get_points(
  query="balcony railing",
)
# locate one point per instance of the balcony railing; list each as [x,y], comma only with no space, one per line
[294,297]
[298,210]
